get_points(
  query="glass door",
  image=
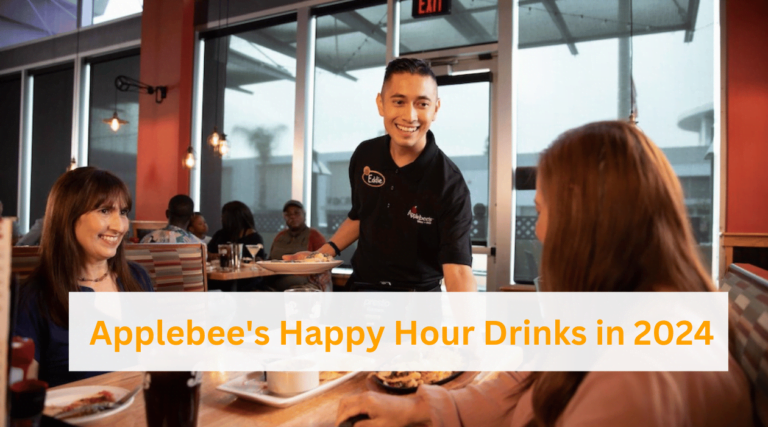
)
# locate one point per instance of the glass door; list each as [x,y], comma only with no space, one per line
[463,130]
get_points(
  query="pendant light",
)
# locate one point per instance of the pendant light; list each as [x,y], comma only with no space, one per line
[223,146]
[115,121]
[216,140]
[189,160]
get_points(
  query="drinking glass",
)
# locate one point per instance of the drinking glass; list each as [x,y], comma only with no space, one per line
[254,250]
[237,255]
[172,399]
[225,253]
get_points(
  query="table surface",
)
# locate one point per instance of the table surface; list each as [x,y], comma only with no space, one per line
[246,271]
[221,409]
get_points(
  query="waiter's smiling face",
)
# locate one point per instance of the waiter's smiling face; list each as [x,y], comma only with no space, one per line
[408,103]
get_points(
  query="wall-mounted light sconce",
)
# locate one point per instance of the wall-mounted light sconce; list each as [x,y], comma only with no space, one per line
[127,84]
[189,159]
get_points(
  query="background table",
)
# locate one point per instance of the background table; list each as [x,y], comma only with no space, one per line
[245,272]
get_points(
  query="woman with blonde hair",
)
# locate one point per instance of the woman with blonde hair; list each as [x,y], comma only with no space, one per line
[81,250]
[611,219]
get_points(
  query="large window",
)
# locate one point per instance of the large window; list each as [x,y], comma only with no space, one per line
[470,22]
[349,68]
[572,66]
[107,149]
[51,133]
[104,11]
[562,85]
[250,86]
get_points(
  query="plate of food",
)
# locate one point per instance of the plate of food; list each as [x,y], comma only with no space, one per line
[69,399]
[313,264]
[254,387]
[406,382]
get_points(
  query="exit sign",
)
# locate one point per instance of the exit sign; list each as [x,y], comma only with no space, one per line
[425,8]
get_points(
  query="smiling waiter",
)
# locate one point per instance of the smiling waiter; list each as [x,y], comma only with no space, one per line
[411,211]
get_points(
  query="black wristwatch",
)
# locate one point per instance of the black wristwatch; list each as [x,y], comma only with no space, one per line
[335,248]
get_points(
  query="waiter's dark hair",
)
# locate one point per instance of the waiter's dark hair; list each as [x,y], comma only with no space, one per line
[410,66]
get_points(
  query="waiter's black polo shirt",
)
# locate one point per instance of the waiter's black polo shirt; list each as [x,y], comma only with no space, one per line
[412,219]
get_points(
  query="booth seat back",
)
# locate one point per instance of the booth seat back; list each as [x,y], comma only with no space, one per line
[172,267]
[748,313]
[24,259]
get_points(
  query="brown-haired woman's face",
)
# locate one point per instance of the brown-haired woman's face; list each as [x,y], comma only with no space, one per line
[541,209]
[100,231]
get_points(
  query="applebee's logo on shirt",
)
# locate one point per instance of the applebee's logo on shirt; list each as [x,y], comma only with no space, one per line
[372,178]
[414,213]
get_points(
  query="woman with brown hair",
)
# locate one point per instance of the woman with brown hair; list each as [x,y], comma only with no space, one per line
[611,204]
[81,250]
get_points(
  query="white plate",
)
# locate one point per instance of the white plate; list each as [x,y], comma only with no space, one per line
[252,387]
[297,267]
[65,396]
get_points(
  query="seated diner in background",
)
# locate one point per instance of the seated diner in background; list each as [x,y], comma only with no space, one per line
[81,250]
[296,238]
[32,238]
[199,227]
[179,212]
[612,218]
[237,226]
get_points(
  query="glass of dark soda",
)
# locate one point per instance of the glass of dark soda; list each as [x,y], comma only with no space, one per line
[172,399]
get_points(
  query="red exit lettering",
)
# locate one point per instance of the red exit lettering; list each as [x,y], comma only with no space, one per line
[430,6]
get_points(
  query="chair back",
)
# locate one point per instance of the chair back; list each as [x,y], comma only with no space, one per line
[748,313]
[172,267]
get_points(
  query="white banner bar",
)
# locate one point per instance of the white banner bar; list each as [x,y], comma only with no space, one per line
[661,331]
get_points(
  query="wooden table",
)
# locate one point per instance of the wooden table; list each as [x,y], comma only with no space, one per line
[218,408]
[221,409]
[246,271]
